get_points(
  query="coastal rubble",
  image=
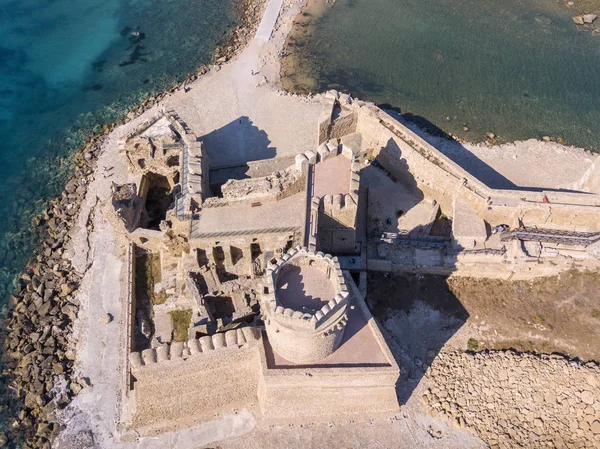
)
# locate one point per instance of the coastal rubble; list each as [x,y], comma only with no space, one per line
[38,356]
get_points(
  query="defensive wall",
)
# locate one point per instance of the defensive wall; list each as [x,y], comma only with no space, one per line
[408,157]
[181,385]
[332,216]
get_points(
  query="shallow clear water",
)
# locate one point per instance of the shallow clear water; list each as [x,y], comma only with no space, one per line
[67,66]
[517,68]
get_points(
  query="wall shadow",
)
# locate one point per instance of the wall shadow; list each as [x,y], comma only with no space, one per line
[460,155]
[422,313]
[237,143]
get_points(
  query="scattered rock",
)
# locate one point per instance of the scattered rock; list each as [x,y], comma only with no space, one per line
[578,20]
[105,319]
[589,18]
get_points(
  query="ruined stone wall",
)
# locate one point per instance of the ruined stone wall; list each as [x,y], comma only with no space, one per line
[176,386]
[344,125]
[271,188]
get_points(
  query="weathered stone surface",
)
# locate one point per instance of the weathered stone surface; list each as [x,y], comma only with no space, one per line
[529,401]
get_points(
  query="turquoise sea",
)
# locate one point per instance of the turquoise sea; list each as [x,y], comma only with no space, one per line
[69,66]
[518,68]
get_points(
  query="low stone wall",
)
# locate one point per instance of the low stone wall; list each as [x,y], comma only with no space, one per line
[266,189]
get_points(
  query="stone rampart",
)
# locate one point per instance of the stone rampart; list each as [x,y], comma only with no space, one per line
[181,352]
[408,157]
[178,393]
[194,170]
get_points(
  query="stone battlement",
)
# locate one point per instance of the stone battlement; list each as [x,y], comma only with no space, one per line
[179,352]
[301,328]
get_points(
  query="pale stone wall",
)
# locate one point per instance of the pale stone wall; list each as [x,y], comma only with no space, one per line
[327,393]
[180,385]
[408,157]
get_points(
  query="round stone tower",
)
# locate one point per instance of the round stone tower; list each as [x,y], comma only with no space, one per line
[305,302]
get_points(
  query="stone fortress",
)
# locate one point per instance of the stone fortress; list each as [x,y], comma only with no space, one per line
[247,291]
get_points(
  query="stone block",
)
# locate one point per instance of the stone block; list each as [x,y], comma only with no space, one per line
[332,94]
[241,338]
[206,344]
[176,350]
[311,156]
[322,152]
[162,353]
[231,338]
[218,340]
[333,148]
[345,99]
[301,161]
[251,333]
[135,360]
[194,346]
[347,151]
[149,356]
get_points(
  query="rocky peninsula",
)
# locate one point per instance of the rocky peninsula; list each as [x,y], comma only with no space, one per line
[66,342]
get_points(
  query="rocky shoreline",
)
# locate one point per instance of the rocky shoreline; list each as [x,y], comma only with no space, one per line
[38,374]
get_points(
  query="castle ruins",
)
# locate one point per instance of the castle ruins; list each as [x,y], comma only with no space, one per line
[247,291]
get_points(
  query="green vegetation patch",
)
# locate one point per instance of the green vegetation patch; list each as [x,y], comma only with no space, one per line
[181,324]
[472,344]
[538,319]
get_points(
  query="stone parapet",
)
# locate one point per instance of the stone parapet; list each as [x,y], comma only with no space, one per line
[179,352]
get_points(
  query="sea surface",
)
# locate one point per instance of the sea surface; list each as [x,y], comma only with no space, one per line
[518,68]
[69,66]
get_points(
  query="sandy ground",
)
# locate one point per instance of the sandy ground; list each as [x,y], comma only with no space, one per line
[240,116]
[523,164]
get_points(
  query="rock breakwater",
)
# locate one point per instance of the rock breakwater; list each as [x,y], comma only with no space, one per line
[38,358]
[518,400]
